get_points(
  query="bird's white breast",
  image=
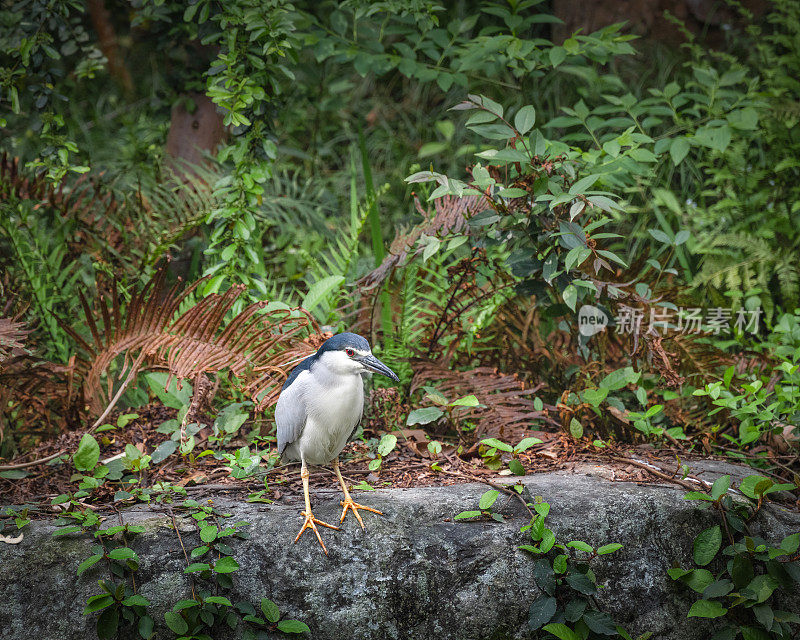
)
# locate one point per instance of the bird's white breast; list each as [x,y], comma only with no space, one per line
[334,405]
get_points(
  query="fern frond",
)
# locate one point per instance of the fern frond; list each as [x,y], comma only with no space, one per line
[164,212]
[12,336]
[509,405]
[738,262]
[449,216]
[289,199]
[256,347]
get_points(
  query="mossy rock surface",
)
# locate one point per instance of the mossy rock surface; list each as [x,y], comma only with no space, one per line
[414,574]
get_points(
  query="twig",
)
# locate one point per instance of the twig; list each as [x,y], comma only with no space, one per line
[125,540]
[131,374]
[32,463]
[185,555]
[493,485]
[656,472]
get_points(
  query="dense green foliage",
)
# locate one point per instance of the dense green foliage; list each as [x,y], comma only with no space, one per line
[447,180]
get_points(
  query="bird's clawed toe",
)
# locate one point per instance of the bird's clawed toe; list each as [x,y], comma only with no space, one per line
[311,522]
[348,503]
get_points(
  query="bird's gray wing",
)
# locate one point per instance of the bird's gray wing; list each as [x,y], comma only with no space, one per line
[357,424]
[290,415]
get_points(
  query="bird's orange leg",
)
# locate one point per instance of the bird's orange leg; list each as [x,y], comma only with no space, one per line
[311,521]
[348,502]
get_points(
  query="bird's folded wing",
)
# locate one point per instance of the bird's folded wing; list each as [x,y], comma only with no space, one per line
[290,415]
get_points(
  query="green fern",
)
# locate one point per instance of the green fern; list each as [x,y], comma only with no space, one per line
[291,200]
[332,273]
[738,263]
[47,276]
[166,211]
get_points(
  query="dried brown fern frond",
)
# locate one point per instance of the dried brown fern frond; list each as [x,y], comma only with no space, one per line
[12,335]
[125,228]
[509,405]
[17,185]
[39,398]
[520,342]
[256,347]
[450,215]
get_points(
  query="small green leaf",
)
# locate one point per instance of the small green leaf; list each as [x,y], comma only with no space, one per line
[755,486]
[678,149]
[136,600]
[319,290]
[386,444]
[526,443]
[609,548]
[575,429]
[197,566]
[706,609]
[760,588]
[557,55]
[541,612]
[163,451]
[600,622]
[218,600]
[226,565]
[208,533]
[707,544]
[125,418]
[63,531]
[90,561]
[107,624]
[583,185]
[697,495]
[293,626]
[176,622]
[791,543]
[488,499]
[570,296]
[497,444]
[466,401]
[467,514]
[123,553]
[595,396]
[14,474]
[698,579]
[717,589]
[581,583]
[516,467]
[88,453]
[525,119]
[620,378]
[581,546]
[270,610]
[98,602]
[720,487]
[424,415]
[561,631]
[146,627]
[198,551]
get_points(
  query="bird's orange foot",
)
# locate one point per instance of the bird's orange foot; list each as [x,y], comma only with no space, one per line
[312,522]
[348,503]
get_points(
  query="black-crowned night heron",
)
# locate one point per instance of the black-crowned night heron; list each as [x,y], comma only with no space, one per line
[318,410]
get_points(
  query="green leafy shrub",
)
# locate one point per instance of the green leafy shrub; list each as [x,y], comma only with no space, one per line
[740,587]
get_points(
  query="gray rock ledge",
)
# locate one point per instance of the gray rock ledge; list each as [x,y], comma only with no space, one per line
[415,574]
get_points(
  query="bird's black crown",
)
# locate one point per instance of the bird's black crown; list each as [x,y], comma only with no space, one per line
[343,341]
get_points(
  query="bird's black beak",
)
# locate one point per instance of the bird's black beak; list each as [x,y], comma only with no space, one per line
[375,365]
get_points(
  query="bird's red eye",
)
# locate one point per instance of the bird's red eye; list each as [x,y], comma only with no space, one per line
[350,352]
